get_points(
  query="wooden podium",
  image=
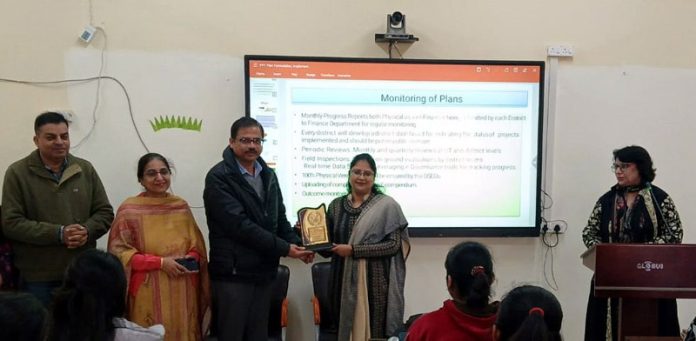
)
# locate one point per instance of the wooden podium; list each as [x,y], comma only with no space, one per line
[638,274]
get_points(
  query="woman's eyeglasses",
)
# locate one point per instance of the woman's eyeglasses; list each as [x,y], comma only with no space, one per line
[359,173]
[620,166]
[152,173]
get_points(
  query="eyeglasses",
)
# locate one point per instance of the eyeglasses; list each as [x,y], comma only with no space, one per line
[152,173]
[359,173]
[620,166]
[248,140]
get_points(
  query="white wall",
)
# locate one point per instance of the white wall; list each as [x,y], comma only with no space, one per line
[631,82]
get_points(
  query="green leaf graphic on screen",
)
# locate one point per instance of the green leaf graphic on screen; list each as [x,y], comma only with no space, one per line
[180,122]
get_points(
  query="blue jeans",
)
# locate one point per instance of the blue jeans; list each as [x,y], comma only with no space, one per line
[43,291]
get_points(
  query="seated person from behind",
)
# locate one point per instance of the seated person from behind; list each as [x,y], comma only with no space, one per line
[529,313]
[92,300]
[22,317]
[468,315]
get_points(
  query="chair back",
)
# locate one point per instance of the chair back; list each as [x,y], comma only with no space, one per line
[277,315]
[321,275]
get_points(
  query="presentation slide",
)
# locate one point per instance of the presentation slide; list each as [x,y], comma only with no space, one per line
[456,144]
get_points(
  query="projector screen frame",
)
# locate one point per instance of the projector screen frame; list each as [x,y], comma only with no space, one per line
[419,231]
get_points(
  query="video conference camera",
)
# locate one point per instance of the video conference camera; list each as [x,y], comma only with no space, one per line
[396,30]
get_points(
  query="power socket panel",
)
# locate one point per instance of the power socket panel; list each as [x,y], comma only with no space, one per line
[560,51]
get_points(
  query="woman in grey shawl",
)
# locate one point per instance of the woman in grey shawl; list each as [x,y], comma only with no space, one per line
[368,229]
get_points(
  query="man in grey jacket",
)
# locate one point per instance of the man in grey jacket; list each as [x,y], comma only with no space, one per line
[248,233]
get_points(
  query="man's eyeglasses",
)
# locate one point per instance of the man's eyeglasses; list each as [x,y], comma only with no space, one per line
[620,166]
[152,173]
[359,173]
[247,140]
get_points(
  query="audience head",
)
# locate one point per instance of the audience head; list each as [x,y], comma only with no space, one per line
[361,175]
[470,273]
[92,294]
[640,157]
[22,317]
[529,313]
[154,174]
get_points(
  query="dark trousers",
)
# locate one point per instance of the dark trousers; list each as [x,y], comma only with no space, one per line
[43,291]
[241,310]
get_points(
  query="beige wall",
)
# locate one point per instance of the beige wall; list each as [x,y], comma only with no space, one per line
[631,81]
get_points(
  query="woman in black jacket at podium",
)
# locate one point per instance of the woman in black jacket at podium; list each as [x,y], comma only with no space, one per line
[633,211]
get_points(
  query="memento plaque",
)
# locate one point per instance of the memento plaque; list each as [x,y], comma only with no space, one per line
[313,228]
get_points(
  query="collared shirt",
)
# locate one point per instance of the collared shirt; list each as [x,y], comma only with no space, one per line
[253,179]
[56,177]
[59,174]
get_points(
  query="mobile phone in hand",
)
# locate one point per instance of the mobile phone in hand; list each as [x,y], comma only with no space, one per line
[191,264]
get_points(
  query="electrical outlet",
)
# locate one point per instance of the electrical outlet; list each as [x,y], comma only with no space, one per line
[69,114]
[560,51]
